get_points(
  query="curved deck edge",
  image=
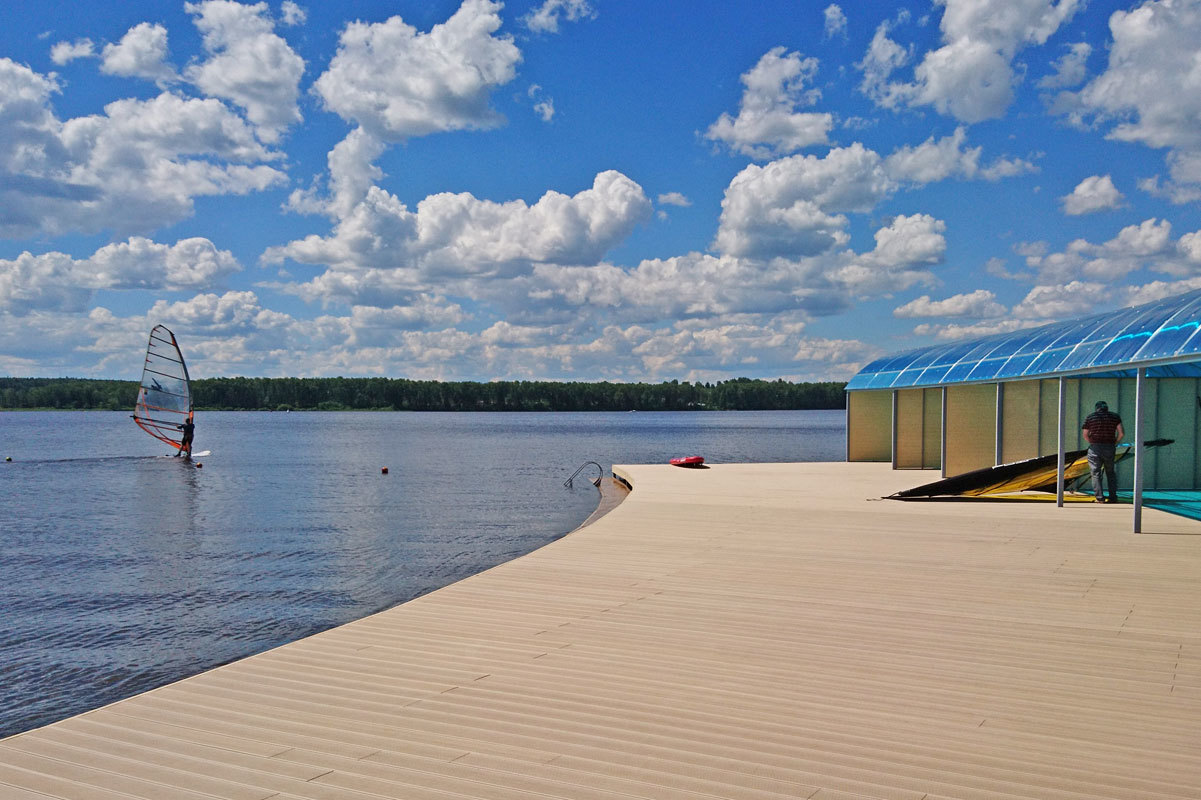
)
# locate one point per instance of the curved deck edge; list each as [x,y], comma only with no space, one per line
[613,491]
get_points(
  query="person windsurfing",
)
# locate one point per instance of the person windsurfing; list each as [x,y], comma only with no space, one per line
[185,446]
[164,405]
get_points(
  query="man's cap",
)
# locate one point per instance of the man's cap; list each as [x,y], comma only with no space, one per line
[1101,404]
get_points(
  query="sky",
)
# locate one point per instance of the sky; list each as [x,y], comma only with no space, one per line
[583,190]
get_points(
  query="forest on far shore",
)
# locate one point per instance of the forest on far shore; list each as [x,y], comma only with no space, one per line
[400,394]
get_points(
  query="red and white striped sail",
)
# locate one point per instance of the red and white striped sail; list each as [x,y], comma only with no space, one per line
[165,398]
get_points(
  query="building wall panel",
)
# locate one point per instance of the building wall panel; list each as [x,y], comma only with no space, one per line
[911,416]
[869,426]
[932,428]
[1020,421]
[971,428]
[1048,416]
[1176,414]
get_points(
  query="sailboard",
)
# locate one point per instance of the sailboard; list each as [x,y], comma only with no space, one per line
[165,397]
[1030,475]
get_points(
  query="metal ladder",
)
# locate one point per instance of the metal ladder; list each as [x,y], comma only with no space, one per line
[596,482]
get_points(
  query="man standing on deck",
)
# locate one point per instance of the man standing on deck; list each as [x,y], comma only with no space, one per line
[1103,430]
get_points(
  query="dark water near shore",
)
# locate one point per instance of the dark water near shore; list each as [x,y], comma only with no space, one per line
[121,570]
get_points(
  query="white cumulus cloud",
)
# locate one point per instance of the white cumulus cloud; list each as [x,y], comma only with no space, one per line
[1070,69]
[767,124]
[980,304]
[352,173]
[545,18]
[884,57]
[248,64]
[140,263]
[971,76]
[141,53]
[228,314]
[293,14]
[1064,301]
[459,236]
[137,166]
[56,281]
[835,22]
[795,206]
[674,199]
[905,249]
[1095,193]
[936,160]
[544,106]
[63,53]
[955,332]
[398,83]
[1151,89]
[47,281]
[1148,245]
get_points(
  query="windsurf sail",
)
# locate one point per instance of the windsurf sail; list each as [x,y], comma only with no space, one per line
[1033,474]
[165,397]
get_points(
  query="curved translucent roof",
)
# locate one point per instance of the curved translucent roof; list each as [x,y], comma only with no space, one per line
[1162,336]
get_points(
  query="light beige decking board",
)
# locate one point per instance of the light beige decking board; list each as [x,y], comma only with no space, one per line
[746,631]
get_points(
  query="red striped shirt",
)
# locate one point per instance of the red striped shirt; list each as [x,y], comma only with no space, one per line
[1102,426]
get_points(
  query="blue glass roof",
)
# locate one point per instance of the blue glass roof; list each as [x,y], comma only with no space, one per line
[1162,336]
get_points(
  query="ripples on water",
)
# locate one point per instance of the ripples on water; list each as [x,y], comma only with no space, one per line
[123,570]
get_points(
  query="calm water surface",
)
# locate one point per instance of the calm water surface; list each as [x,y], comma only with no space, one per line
[123,570]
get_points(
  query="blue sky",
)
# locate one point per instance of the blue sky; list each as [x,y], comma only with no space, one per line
[581,189]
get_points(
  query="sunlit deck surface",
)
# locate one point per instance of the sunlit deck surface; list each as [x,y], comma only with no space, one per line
[748,631]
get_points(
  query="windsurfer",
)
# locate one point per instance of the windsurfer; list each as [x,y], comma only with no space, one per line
[1102,430]
[185,446]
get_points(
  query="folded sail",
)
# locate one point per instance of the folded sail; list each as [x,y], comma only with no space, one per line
[1039,474]
[165,398]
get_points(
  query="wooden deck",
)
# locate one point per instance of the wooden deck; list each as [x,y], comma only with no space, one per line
[750,631]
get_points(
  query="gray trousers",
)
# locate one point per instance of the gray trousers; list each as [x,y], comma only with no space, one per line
[1100,458]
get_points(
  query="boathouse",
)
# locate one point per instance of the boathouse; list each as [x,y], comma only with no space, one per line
[969,404]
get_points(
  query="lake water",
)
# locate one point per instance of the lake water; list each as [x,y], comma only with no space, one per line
[121,570]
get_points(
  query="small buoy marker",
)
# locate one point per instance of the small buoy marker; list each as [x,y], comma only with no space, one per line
[383,470]
[8,458]
[199,465]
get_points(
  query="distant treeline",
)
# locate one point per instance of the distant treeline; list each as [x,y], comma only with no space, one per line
[399,394]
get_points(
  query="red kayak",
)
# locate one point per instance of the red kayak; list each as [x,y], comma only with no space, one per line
[688,461]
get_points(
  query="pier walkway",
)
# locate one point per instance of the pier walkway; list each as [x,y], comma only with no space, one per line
[759,631]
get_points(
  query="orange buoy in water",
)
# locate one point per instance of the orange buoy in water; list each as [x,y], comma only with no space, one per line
[383,470]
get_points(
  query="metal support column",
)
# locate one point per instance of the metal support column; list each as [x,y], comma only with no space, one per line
[1059,438]
[943,455]
[1138,448]
[895,407]
[999,449]
[847,424]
